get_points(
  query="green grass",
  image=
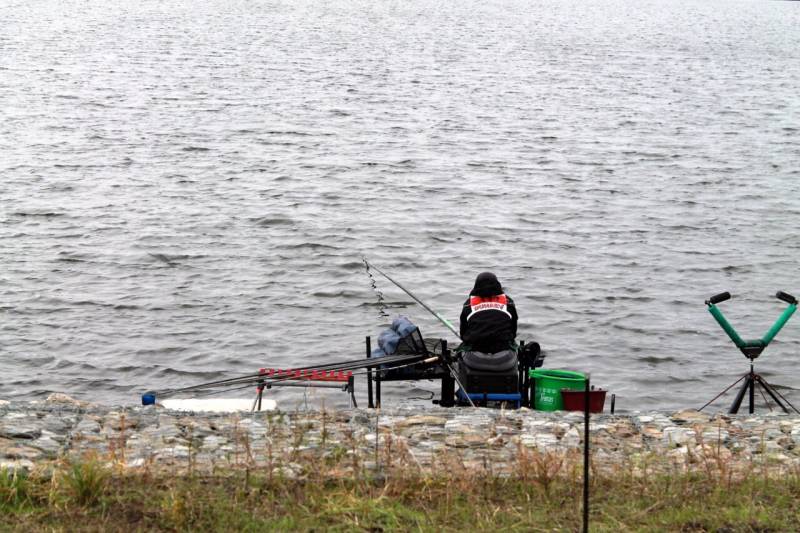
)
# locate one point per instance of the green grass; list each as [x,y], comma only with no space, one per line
[545,496]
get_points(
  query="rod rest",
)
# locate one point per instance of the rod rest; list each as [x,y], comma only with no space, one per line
[751,348]
[719,298]
[786,297]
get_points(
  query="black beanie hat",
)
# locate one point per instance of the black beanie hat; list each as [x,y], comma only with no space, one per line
[486,284]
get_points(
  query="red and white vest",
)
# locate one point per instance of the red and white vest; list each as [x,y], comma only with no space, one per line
[488,303]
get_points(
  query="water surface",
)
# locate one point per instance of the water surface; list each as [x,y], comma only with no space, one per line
[188,188]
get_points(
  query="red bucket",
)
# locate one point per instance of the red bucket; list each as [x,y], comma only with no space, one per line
[575,400]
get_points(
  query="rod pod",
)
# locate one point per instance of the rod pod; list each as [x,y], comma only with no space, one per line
[752,349]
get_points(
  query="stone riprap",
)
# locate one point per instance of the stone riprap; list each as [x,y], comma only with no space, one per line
[498,441]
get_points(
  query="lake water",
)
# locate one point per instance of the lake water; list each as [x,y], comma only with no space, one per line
[188,188]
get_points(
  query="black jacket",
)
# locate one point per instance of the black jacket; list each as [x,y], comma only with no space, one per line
[489,317]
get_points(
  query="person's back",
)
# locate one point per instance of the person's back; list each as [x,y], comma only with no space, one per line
[489,317]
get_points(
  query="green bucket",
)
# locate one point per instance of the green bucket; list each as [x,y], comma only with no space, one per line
[548,385]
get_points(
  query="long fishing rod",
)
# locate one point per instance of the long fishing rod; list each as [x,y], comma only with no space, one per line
[345,365]
[389,362]
[442,319]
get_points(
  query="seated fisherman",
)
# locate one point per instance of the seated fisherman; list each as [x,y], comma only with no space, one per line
[489,317]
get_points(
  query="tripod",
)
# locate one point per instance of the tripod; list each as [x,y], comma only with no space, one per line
[752,349]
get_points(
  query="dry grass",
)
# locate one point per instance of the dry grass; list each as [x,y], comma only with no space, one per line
[352,484]
[336,491]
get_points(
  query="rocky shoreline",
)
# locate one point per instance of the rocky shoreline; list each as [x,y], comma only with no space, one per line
[35,434]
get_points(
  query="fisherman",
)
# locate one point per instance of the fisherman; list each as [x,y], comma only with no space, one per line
[489,317]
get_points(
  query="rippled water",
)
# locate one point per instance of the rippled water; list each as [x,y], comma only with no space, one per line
[188,187]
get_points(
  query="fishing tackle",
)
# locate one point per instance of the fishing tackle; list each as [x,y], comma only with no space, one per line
[381,300]
[441,319]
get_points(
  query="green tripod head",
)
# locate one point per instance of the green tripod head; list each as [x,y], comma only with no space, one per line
[751,348]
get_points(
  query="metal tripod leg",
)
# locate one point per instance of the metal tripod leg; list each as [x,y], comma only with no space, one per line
[749,384]
[712,400]
[775,395]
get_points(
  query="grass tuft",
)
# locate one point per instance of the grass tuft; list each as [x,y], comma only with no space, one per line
[84,482]
[14,489]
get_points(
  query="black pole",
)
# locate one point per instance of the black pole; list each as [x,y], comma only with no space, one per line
[448,391]
[586,457]
[521,372]
[448,383]
[752,390]
[377,388]
[351,387]
[369,375]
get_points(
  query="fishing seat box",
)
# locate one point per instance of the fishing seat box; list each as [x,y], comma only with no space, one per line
[489,373]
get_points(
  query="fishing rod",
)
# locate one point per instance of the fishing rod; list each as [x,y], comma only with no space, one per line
[389,362]
[346,365]
[442,319]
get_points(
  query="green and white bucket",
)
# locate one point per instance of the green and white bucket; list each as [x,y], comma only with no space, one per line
[548,385]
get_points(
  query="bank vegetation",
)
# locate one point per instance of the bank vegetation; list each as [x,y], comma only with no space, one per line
[339,493]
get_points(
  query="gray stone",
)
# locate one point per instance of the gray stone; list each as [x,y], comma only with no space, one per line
[678,436]
[768,447]
[58,398]
[120,422]
[679,455]
[488,440]
[165,434]
[421,420]
[178,451]
[59,426]
[714,435]
[88,425]
[22,465]
[690,416]
[20,428]
[19,451]
[47,444]
[738,446]
[572,438]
